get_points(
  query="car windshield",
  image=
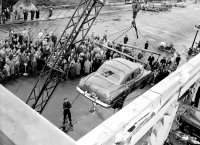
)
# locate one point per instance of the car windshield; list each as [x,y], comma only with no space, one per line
[110,73]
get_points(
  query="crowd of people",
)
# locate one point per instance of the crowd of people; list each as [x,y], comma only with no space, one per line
[19,52]
[10,14]
[19,55]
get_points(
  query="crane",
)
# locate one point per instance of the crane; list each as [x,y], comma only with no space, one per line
[77,29]
[49,78]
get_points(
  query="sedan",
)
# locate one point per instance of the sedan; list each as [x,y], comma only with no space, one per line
[113,81]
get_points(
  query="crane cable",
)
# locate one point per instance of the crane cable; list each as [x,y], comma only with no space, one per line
[41,26]
[148,40]
[45,24]
[37,21]
[118,32]
[60,22]
[38,30]
[122,34]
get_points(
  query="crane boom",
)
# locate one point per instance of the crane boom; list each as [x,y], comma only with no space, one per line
[81,21]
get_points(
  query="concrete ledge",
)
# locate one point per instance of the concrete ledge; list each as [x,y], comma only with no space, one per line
[24,126]
[160,97]
[106,131]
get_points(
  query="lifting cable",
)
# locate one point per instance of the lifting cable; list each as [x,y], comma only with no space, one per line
[75,99]
[60,22]
[45,24]
[118,32]
[23,79]
[34,26]
[41,26]
[50,25]
[151,45]
[36,23]
[147,40]
[122,34]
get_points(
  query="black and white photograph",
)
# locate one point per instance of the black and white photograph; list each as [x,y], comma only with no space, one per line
[99,72]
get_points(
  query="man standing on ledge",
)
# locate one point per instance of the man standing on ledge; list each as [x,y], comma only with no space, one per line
[67,112]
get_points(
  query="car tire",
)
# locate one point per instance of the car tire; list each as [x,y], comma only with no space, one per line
[143,85]
[146,82]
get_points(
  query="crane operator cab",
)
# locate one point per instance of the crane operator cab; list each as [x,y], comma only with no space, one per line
[136,7]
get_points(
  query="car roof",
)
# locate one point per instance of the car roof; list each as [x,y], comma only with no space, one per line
[124,64]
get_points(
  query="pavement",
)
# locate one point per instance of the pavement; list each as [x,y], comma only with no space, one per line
[175,26]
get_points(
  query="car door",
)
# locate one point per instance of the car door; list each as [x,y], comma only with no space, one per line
[129,83]
[137,77]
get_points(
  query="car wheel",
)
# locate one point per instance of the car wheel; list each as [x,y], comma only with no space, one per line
[143,84]
[146,82]
[118,104]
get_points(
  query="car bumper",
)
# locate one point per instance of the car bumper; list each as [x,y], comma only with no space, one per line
[87,95]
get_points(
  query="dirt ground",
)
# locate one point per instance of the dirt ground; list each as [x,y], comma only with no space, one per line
[175,26]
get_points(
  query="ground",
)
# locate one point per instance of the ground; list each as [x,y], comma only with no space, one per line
[175,26]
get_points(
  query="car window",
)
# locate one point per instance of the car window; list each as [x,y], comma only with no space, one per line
[110,74]
[128,79]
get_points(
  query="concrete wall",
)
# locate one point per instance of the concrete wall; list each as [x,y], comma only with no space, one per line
[156,101]
[20,125]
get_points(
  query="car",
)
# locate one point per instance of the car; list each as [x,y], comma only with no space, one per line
[180,4]
[113,81]
[128,1]
[155,7]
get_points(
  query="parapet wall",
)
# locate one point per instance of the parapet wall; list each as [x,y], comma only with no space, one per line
[154,110]
[155,103]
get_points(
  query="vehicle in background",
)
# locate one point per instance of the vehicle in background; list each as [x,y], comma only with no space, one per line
[113,81]
[128,1]
[180,5]
[156,7]
[164,47]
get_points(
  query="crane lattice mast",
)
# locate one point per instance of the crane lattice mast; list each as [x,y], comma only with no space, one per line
[77,29]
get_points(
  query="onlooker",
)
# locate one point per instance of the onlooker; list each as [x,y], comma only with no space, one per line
[105,36]
[32,14]
[67,112]
[50,11]
[37,14]
[151,59]
[146,45]
[163,61]
[87,66]
[178,59]
[126,39]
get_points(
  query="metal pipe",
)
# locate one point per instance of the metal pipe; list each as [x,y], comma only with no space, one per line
[138,48]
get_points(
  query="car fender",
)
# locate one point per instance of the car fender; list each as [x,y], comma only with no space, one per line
[118,93]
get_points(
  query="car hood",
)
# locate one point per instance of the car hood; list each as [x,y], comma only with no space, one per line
[100,86]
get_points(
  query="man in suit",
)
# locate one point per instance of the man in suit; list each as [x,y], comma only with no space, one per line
[67,112]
